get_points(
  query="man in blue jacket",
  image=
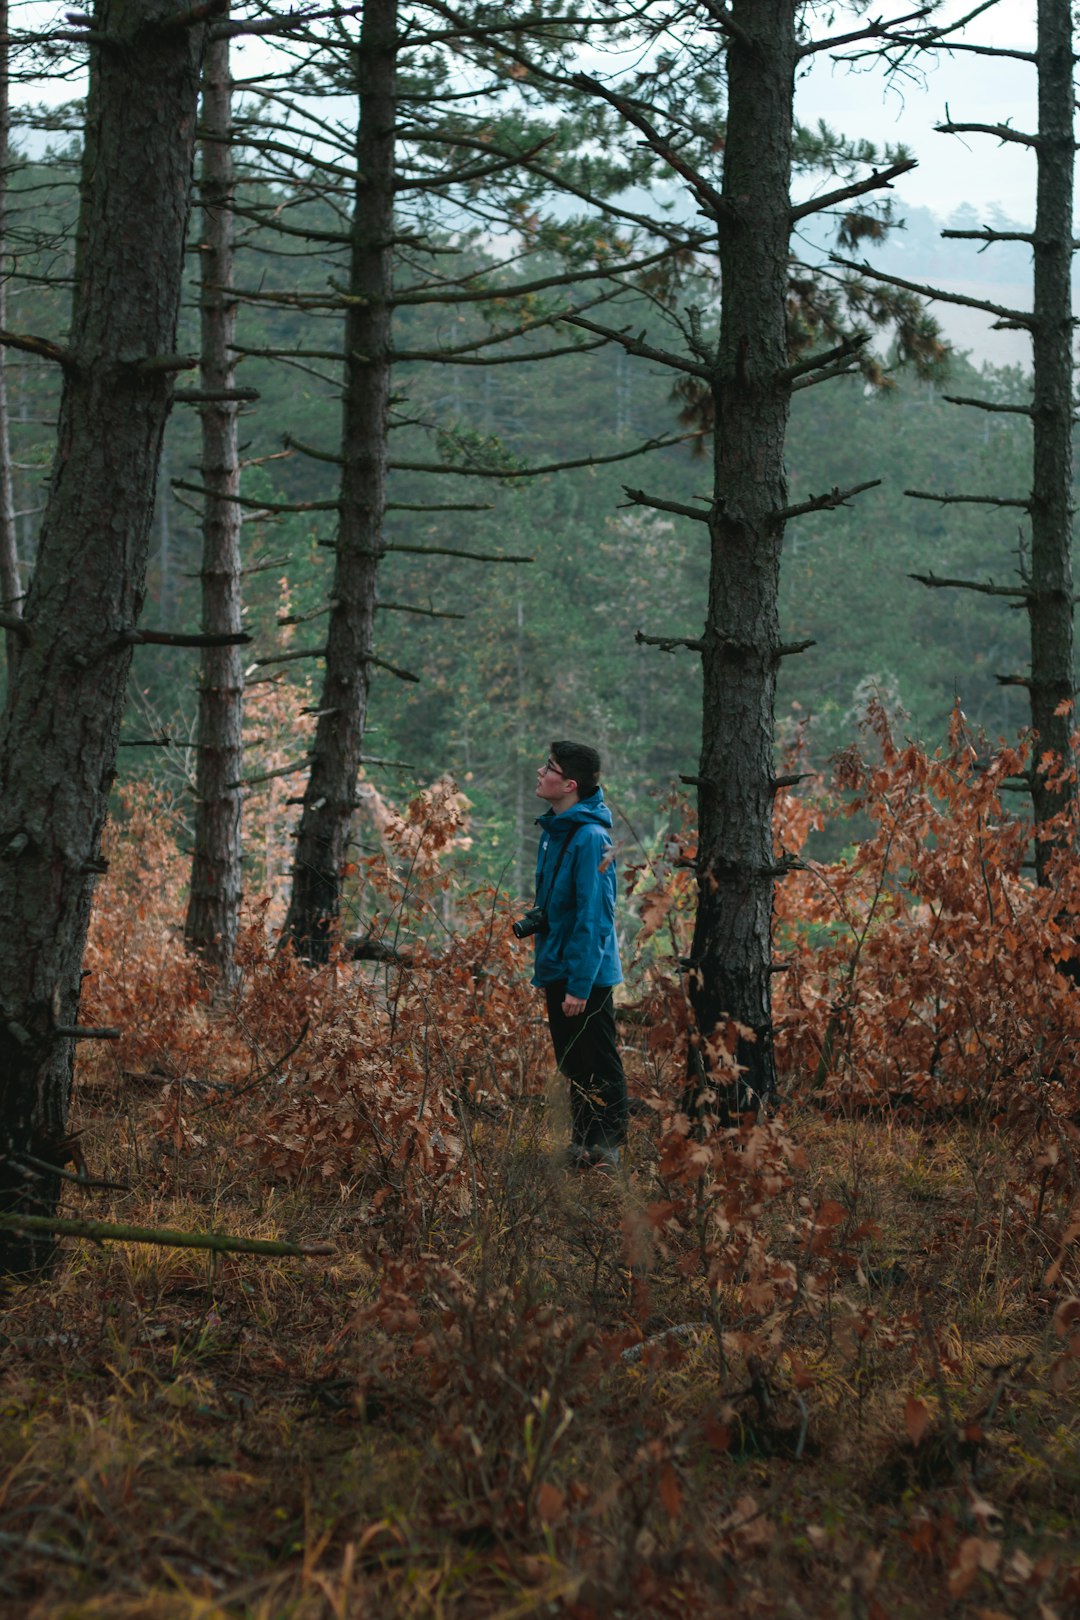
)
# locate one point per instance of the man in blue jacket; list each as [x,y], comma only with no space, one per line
[577,957]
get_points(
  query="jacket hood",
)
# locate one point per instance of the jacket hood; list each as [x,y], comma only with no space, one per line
[589,810]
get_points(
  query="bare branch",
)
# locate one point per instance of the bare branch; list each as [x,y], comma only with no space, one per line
[1002,132]
[814,362]
[1021,318]
[257,506]
[822,503]
[972,500]
[987,405]
[668,643]
[407,607]
[638,497]
[168,638]
[873,30]
[44,348]
[987,588]
[549,467]
[879,178]
[986,233]
[642,350]
[717,204]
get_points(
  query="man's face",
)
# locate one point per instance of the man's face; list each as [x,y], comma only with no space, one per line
[551,784]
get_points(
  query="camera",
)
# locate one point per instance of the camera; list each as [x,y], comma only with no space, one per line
[533,922]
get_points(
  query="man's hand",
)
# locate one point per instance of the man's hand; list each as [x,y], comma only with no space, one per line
[573,1006]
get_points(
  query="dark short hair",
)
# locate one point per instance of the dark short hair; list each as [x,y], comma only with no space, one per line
[580,763]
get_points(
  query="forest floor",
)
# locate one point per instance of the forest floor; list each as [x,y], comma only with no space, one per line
[526,1408]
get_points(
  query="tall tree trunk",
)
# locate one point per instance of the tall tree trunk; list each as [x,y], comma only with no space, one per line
[61,723]
[10,578]
[214,903]
[1050,606]
[730,977]
[330,797]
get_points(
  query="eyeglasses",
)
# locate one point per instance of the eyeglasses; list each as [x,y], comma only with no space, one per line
[550,768]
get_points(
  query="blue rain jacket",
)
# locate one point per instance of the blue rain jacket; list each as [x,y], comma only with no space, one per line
[579,945]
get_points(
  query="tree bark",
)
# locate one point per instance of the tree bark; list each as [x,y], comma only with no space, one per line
[60,728]
[330,797]
[10,577]
[731,952]
[214,903]
[1050,608]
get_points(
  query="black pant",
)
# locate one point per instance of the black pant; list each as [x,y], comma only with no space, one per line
[587,1054]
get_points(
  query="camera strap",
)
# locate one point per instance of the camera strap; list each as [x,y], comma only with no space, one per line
[558,862]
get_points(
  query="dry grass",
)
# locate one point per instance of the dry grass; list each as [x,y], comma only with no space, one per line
[193,1437]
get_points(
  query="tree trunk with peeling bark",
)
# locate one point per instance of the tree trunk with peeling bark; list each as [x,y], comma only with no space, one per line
[330,796]
[731,952]
[60,728]
[214,903]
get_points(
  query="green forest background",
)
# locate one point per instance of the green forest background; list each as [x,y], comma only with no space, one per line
[547,648]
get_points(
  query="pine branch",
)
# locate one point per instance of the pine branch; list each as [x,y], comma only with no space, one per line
[721,14]
[440,506]
[1003,132]
[937,293]
[44,348]
[451,551]
[258,506]
[842,368]
[549,467]
[813,362]
[309,450]
[169,638]
[716,203]
[439,551]
[941,39]
[636,347]
[271,776]
[972,500]
[291,657]
[987,405]
[290,23]
[878,179]
[214,396]
[524,329]
[479,171]
[987,588]
[407,607]
[521,358]
[822,503]
[508,293]
[986,233]
[638,497]
[393,669]
[668,643]
[874,30]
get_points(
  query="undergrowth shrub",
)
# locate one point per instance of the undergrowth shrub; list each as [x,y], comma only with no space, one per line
[926,966]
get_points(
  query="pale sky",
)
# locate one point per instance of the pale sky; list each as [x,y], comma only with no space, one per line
[860,101]
[952,169]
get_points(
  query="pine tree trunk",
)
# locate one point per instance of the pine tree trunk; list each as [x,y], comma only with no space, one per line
[330,798]
[1050,604]
[730,977]
[61,723]
[10,578]
[214,903]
